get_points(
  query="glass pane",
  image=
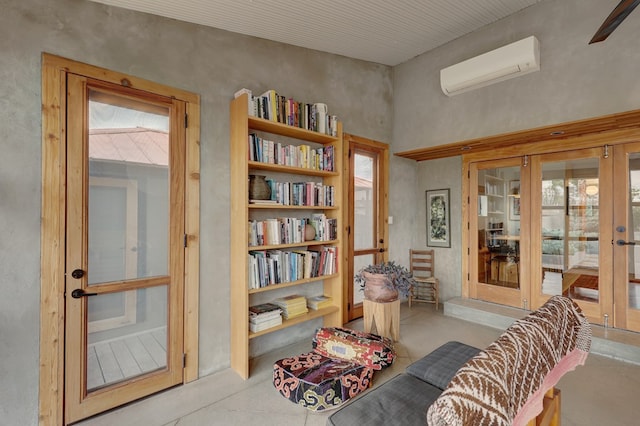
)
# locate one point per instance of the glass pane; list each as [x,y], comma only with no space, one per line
[364,199]
[570,228]
[128,189]
[634,231]
[499,226]
[127,335]
[360,262]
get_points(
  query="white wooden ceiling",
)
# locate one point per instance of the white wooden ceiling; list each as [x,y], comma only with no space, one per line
[383,31]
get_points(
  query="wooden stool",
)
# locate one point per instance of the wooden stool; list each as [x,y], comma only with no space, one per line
[386,317]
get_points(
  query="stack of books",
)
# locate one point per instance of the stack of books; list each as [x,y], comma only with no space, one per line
[264,316]
[292,306]
[319,302]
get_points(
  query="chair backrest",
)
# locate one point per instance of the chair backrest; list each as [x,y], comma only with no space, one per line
[421,263]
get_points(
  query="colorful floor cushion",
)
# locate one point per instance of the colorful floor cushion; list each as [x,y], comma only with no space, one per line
[318,382]
[356,346]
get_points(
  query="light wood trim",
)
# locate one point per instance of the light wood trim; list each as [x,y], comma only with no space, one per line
[486,145]
[255,123]
[192,251]
[91,71]
[381,202]
[52,338]
[240,126]
[51,381]
[76,224]
[469,221]
[257,165]
[291,284]
[239,219]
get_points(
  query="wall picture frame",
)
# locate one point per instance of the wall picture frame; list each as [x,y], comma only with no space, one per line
[438,218]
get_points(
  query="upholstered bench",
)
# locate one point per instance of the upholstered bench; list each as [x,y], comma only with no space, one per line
[340,366]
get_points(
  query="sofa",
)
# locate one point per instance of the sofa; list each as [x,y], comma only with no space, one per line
[511,382]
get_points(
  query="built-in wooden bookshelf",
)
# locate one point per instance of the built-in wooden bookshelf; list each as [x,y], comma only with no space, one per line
[242,125]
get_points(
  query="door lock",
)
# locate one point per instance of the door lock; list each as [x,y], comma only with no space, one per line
[77,274]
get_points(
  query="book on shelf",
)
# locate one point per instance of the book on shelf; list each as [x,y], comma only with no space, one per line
[256,327]
[319,302]
[292,306]
[264,309]
[268,202]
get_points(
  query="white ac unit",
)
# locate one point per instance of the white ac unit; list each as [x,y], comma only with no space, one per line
[512,60]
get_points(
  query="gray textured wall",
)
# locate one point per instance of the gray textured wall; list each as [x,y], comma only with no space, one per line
[576,81]
[203,60]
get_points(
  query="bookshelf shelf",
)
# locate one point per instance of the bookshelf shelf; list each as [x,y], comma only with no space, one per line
[297,320]
[290,284]
[283,207]
[257,165]
[242,212]
[294,245]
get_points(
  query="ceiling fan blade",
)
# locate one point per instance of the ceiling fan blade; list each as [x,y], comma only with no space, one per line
[621,11]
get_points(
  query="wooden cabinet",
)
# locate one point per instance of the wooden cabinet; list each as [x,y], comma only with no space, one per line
[242,212]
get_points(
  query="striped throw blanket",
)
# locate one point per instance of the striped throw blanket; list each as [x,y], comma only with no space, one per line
[505,383]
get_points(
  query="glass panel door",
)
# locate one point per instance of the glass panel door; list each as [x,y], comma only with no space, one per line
[569,226]
[125,260]
[627,236]
[497,207]
[367,212]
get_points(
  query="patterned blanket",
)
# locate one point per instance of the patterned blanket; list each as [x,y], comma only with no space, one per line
[505,383]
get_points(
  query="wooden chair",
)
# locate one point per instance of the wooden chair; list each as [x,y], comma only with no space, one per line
[421,266]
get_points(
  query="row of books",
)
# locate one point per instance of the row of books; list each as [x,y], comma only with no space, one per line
[291,230]
[272,106]
[299,194]
[303,156]
[269,267]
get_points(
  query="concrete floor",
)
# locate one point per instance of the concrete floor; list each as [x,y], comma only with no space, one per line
[603,392]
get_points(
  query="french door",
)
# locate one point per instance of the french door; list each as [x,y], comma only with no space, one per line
[564,223]
[572,197]
[124,245]
[367,163]
[499,212]
[626,236]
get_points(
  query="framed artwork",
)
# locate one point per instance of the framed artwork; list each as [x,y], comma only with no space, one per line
[438,227]
[514,200]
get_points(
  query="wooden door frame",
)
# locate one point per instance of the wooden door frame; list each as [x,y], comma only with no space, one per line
[477,290]
[348,202]
[52,232]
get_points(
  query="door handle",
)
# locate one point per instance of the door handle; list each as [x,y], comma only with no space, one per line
[625,243]
[78,293]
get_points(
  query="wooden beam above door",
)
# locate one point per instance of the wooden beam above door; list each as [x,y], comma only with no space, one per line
[555,132]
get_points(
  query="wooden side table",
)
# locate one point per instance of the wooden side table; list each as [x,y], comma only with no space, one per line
[386,317]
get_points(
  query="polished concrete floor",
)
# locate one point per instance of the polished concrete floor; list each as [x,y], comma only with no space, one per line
[602,392]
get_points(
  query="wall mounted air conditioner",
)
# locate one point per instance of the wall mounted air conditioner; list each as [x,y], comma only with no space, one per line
[512,60]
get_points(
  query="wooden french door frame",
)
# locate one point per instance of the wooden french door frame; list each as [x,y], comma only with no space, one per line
[624,316]
[595,312]
[517,297]
[52,307]
[379,151]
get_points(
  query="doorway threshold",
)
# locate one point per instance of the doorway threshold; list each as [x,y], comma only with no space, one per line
[621,345]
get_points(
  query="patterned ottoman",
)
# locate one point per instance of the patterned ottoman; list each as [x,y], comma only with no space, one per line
[340,367]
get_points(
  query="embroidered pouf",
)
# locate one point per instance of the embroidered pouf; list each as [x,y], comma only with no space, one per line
[340,367]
